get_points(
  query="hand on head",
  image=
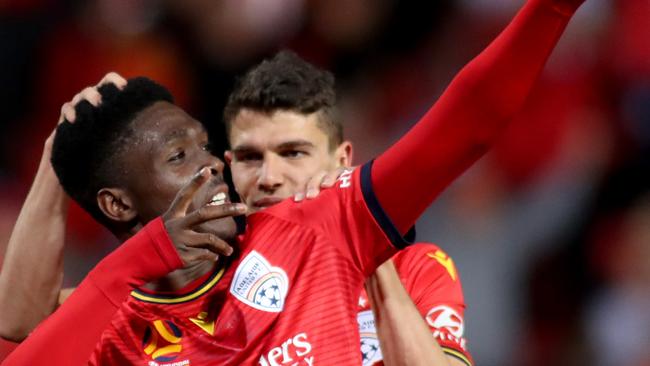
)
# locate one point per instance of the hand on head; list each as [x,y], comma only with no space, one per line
[91,95]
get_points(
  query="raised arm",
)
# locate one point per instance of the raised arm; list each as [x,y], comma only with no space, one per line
[32,271]
[470,115]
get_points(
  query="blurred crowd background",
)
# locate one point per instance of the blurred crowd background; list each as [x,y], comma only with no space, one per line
[550,231]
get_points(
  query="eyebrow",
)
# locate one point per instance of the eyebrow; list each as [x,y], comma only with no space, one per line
[178,134]
[285,145]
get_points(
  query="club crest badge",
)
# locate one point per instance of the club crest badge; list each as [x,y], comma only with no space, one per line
[260,285]
[370,351]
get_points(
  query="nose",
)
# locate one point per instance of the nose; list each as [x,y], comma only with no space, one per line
[214,163]
[270,177]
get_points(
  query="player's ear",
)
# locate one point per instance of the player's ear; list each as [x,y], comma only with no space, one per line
[343,154]
[116,204]
[227,156]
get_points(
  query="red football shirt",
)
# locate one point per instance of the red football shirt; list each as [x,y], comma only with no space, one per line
[431,279]
[289,299]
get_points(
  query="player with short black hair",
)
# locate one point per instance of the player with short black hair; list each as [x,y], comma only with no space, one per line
[90,154]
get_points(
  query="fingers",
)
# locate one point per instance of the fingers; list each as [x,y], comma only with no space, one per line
[318,181]
[312,188]
[68,109]
[210,242]
[207,213]
[67,113]
[91,94]
[331,177]
[113,78]
[190,255]
[184,197]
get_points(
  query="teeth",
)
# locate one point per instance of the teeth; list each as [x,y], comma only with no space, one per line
[218,199]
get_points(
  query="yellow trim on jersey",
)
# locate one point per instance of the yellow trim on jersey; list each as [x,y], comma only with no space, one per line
[198,292]
[455,353]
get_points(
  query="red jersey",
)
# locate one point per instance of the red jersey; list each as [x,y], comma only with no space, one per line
[431,279]
[290,298]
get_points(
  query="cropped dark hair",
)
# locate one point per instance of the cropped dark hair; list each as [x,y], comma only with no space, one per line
[85,154]
[287,82]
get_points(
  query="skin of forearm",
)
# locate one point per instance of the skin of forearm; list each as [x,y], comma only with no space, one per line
[404,337]
[32,272]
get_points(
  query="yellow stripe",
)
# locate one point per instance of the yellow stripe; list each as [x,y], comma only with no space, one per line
[456,354]
[174,348]
[177,300]
[160,327]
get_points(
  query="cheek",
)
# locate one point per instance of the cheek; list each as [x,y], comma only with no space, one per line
[242,177]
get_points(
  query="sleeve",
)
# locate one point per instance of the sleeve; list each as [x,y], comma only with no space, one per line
[70,334]
[351,219]
[471,113]
[431,279]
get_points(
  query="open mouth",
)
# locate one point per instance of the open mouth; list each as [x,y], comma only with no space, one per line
[218,199]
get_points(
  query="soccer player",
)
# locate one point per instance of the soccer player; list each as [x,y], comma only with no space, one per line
[457,130]
[282,124]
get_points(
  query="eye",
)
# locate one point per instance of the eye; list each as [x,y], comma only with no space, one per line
[293,154]
[248,156]
[207,147]
[177,156]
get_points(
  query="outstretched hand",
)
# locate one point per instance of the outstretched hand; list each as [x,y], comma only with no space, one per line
[193,246]
[324,179]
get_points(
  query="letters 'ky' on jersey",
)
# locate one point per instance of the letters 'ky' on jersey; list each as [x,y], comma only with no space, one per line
[431,279]
[290,298]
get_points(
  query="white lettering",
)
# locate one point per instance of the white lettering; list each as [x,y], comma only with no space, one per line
[273,356]
[300,341]
[296,347]
[346,179]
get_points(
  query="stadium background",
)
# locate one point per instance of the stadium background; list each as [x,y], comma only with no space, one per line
[549,231]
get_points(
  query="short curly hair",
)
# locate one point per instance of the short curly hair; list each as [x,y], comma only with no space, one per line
[86,153]
[287,82]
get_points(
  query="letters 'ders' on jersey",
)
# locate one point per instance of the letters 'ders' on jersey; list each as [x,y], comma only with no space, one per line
[290,298]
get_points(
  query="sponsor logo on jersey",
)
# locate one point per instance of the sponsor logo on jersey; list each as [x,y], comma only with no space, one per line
[294,351]
[346,178]
[448,325]
[162,342]
[445,261]
[370,351]
[260,285]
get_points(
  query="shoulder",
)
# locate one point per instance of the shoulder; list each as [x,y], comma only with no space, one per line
[426,267]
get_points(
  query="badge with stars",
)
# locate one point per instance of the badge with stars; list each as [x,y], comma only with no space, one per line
[370,351]
[259,284]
